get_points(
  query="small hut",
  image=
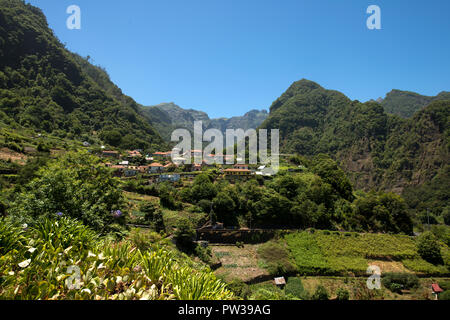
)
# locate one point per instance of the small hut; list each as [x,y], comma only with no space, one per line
[436,290]
[280,282]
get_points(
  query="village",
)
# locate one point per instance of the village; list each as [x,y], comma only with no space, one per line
[160,167]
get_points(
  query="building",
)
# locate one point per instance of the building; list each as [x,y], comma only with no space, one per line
[280,282]
[118,170]
[237,172]
[131,171]
[112,154]
[436,290]
[134,154]
[170,177]
[156,168]
[241,166]
[143,169]
[163,155]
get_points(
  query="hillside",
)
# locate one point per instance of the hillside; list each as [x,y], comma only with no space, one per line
[167,117]
[46,87]
[377,150]
[406,103]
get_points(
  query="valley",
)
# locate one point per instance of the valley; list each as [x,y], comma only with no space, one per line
[87,181]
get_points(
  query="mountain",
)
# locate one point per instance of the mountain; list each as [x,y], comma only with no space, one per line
[167,117]
[406,103]
[46,87]
[378,150]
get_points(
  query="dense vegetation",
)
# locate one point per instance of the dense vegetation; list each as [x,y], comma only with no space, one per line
[320,196]
[46,87]
[378,151]
[405,103]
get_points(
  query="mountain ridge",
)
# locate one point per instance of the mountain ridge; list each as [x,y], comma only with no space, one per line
[169,116]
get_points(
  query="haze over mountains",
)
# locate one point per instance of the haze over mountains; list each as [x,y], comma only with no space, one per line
[167,117]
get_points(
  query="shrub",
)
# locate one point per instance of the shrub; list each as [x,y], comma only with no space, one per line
[400,281]
[239,288]
[429,249]
[342,294]
[144,240]
[203,253]
[320,294]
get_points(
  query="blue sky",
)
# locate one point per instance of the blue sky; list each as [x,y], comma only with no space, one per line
[226,57]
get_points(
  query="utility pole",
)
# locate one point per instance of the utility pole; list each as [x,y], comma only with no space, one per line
[428,217]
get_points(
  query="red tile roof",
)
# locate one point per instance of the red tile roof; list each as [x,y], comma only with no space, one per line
[435,287]
[156,165]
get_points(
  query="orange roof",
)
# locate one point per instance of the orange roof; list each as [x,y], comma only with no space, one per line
[237,170]
[156,165]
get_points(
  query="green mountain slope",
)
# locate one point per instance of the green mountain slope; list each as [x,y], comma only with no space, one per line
[46,87]
[377,150]
[405,103]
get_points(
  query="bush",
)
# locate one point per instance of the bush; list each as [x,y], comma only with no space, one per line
[429,249]
[342,294]
[144,240]
[204,254]
[396,282]
[320,294]
[239,288]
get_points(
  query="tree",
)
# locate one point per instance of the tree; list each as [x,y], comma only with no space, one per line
[224,207]
[203,188]
[76,185]
[167,196]
[429,249]
[185,235]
